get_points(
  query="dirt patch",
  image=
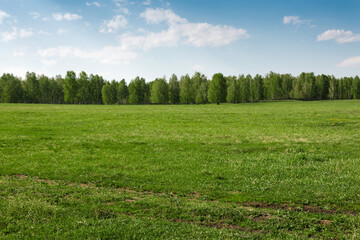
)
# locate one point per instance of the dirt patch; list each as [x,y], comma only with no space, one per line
[262,218]
[195,195]
[87,185]
[21,176]
[104,214]
[325,222]
[47,181]
[251,206]
[220,225]
[305,208]
[315,209]
[149,193]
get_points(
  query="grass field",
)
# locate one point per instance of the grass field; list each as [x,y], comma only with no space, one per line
[266,170]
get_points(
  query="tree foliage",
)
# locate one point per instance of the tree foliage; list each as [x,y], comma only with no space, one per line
[138,91]
[186,90]
[160,91]
[93,89]
[32,88]
[233,90]
[123,92]
[70,87]
[174,90]
[217,89]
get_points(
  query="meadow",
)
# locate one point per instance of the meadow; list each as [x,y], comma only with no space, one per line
[270,170]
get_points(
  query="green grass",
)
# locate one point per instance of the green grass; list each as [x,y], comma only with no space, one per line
[278,170]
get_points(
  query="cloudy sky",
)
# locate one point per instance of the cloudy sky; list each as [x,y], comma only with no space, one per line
[154,38]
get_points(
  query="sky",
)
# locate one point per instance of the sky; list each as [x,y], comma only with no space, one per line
[122,39]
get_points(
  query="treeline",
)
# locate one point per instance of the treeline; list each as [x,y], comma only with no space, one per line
[198,89]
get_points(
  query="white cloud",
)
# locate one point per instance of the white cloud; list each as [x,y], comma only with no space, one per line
[123,10]
[204,34]
[168,38]
[15,33]
[119,3]
[96,4]
[50,62]
[297,21]
[9,36]
[44,33]
[147,2]
[112,25]
[34,15]
[109,54]
[66,16]
[180,31]
[2,16]
[350,62]
[292,20]
[122,6]
[341,36]
[23,33]
[16,70]
[19,53]
[61,31]
[160,15]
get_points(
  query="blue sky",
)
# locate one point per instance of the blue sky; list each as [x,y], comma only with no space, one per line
[154,38]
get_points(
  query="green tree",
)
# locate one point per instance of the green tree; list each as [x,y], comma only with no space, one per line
[45,89]
[186,94]
[258,88]
[2,85]
[297,89]
[114,91]
[356,88]
[11,89]
[241,80]
[147,93]
[287,85]
[160,91]
[197,80]
[138,92]
[274,86]
[105,93]
[109,93]
[32,88]
[246,88]
[96,84]
[202,93]
[57,86]
[345,85]
[83,93]
[233,90]
[323,84]
[217,89]
[123,92]
[308,82]
[70,87]
[174,90]
[333,88]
